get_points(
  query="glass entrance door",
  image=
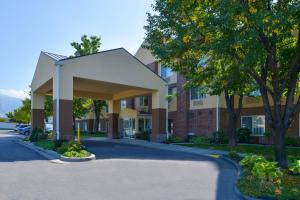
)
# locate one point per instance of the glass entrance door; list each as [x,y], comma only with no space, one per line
[128,127]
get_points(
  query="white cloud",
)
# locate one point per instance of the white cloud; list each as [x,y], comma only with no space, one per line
[20,94]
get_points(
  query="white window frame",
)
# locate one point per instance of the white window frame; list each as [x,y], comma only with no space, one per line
[142,99]
[202,96]
[253,134]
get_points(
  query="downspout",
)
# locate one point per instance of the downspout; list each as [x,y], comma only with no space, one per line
[58,65]
[218,113]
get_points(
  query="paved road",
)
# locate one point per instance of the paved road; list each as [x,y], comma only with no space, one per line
[121,172]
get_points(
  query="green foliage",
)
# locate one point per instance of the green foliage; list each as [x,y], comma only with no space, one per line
[46,144]
[200,140]
[81,107]
[58,143]
[73,149]
[291,141]
[295,167]
[77,154]
[37,135]
[268,134]
[21,114]
[267,171]
[143,135]
[256,43]
[218,137]
[244,135]
[249,161]
[174,139]
[233,155]
[70,146]
[88,45]
[2,119]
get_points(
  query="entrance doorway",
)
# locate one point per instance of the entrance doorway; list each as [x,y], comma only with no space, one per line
[128,127]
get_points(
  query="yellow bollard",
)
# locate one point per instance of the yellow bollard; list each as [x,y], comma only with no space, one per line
[78,135]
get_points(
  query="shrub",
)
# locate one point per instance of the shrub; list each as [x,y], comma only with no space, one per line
[58,143]
[244,135]
[81,153]
[295,167]
[267,171]
[200,140]
[249,160]
[143,135]
[291,141]
[268,134]
[233,155]
[70,146]
[218,137]
[174,139]
[37,134]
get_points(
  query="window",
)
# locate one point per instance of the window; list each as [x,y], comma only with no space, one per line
[143,101]
[197,94]
[165,71]
[123,104]
[255,123]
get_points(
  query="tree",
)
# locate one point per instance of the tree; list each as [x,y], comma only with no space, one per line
[81,107]
[85,47]
[21,114]
[263,36]
[174,36]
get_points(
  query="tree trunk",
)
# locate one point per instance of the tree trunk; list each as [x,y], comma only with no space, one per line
[232,124]
[233,116]
[279,147]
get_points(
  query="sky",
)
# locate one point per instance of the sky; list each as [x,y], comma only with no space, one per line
[31,26]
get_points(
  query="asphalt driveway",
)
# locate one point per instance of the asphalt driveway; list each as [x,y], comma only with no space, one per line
[120,172]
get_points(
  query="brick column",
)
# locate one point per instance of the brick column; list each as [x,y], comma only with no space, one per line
[113,119]
[65,119]
[37,110]
[159,115]
[158,124]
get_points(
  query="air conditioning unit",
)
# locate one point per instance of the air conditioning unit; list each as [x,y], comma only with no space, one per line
[197,103]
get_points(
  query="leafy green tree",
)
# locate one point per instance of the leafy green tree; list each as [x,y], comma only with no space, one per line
[178,42]
[262,36]
[89,45]
[81,107]
[21,114]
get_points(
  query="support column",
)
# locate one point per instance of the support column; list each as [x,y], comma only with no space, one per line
[63,105]
[37,110]
[159,116]
[113,119]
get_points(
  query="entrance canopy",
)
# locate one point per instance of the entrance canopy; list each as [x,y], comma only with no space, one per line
[108,75]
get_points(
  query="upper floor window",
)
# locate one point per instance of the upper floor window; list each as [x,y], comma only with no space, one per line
[197,94]
[165,71]
[123,104]
[143,101]
[255,123]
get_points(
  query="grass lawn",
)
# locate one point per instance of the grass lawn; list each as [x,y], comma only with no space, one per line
[266,151]
[46,144]
[98,134]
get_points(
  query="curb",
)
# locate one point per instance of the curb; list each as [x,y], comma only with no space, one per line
[52,156]
[81,159]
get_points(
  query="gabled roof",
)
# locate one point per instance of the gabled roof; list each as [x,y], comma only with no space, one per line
[56,57]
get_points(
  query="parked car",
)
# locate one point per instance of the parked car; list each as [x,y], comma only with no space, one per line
[25,130]
[18,126]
